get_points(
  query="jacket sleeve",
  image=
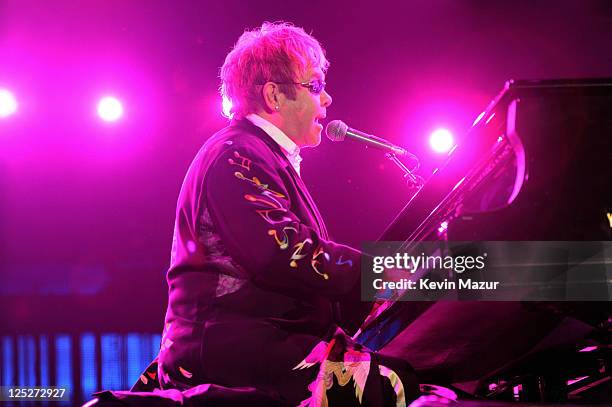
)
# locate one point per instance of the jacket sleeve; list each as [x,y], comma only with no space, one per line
[251,209]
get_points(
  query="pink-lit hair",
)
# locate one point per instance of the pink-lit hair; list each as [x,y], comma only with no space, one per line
[277,52]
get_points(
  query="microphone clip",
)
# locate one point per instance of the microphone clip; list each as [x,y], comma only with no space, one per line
[415,182]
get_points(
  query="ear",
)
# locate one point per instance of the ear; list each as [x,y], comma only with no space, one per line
[271,97]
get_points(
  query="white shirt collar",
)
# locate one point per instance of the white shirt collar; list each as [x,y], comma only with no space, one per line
[291,150]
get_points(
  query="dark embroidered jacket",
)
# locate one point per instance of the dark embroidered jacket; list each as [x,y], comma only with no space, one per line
[253,273]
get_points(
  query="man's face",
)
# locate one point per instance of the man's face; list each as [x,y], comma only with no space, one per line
[301,116]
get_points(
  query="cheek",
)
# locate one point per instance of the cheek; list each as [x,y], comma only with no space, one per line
[303,112]
[307,107]
[304,118]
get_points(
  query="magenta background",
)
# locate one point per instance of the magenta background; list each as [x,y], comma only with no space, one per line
[86,208]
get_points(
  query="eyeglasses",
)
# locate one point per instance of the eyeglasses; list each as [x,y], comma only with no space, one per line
[315,86]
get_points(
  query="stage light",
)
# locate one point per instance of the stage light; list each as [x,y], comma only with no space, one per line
[441,140]
[226,107]
[8,103]
[110,109]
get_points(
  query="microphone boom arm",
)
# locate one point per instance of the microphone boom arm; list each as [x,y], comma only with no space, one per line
[377,141]
[413,179]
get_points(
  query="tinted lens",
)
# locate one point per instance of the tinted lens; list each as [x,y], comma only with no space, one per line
[316,87]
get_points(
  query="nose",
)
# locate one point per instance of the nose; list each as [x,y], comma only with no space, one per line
[326,99]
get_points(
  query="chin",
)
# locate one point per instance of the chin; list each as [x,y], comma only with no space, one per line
[314,139]
[311,138]
[314,142]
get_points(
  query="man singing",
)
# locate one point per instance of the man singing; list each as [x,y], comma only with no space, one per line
[254,275]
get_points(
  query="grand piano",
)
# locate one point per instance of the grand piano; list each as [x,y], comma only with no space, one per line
[535,166]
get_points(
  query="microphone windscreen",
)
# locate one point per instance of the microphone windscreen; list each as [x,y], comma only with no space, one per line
[336,130]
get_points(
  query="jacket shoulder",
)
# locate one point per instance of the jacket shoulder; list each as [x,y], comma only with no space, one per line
[241,139]
[244,140]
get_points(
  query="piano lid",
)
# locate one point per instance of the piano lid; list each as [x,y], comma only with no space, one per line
[535,166]
[541,146]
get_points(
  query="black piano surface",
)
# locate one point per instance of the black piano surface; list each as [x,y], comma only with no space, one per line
[536,165]
[564,129]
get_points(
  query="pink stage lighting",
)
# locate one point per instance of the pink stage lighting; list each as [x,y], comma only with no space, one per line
[110,109]
[441,140]
[8,103]
[226,107]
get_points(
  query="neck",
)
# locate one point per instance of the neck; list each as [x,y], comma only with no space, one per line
[277,120]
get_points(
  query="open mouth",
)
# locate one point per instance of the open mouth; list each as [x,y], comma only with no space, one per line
[318,118]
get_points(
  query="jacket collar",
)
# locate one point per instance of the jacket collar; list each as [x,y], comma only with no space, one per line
[247,126]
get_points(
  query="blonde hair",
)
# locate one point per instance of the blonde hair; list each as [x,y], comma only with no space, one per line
[276,52]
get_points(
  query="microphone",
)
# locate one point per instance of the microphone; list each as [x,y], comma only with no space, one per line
[337,130]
